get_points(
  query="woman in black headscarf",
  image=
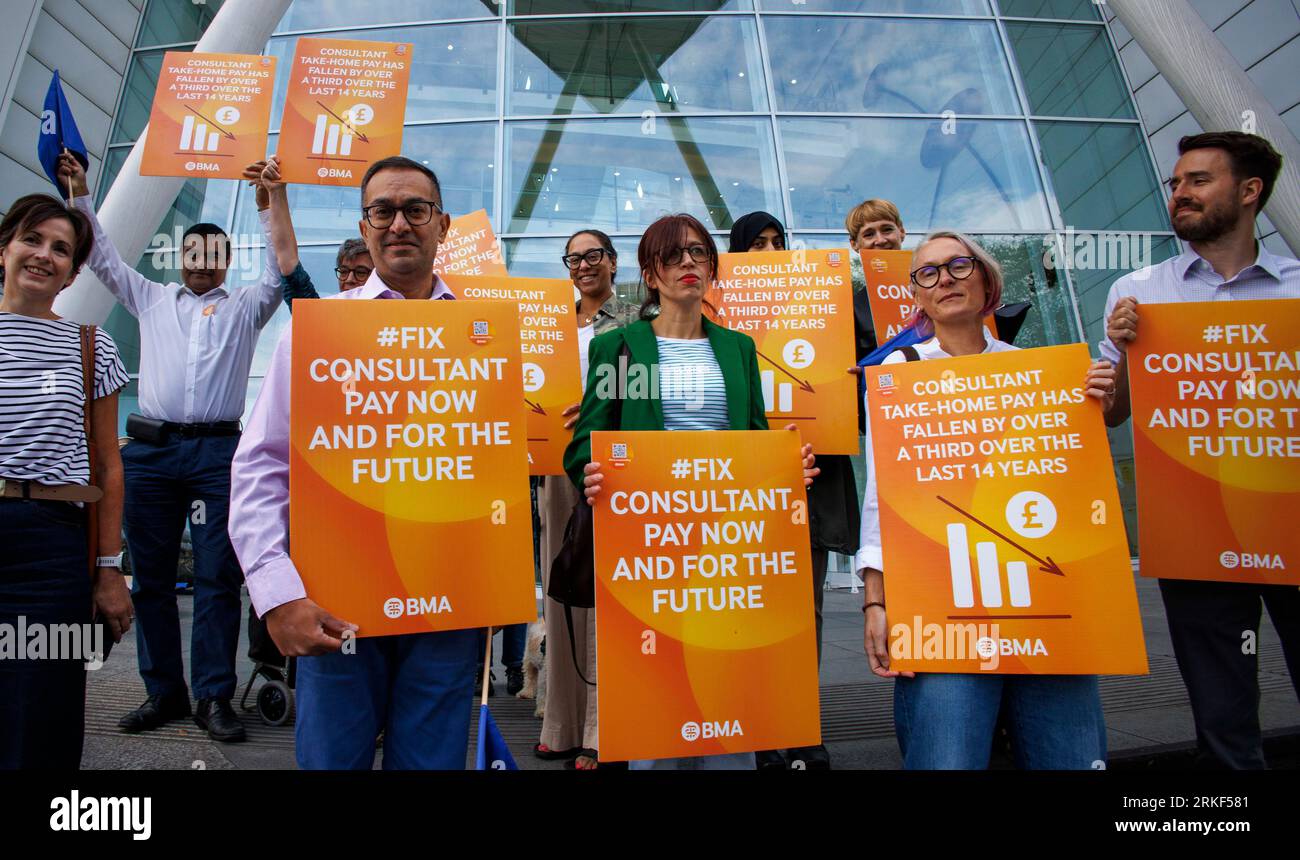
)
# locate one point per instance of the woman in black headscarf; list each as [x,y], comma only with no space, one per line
[833,504]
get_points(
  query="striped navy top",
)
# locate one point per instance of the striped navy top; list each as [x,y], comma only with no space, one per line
[691,388]
[42,437]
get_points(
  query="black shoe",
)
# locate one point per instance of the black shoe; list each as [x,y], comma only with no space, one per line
[514,680]
[769,760]
[810,758]
[217,718]
[156,711]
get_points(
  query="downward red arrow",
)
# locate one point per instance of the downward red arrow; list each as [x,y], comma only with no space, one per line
[212,123]
[803,383]
[1046,565]
[533,406]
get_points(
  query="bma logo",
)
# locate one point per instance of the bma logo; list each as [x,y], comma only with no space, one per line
[1021,647]
[693,731]
[1232,560]
[334,173]
[201,166]
[394,607]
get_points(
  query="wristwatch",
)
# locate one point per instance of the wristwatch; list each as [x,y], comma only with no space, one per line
[109,561]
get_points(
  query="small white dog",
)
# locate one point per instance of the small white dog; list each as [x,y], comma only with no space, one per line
[535,667]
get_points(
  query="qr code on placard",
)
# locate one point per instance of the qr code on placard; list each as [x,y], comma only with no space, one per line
[618,451]
[480,328]
[886,380]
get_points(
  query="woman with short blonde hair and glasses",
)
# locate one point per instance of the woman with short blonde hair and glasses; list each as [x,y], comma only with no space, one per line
[946,720]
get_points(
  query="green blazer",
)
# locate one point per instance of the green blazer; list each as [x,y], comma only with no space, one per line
[736,357]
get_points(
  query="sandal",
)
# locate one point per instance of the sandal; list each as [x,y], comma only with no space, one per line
[545,753]
[588,755]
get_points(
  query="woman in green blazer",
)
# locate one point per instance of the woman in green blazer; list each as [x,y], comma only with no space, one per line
[708,377]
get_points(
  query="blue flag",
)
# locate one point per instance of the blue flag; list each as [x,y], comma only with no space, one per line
[493,754]
[58,131]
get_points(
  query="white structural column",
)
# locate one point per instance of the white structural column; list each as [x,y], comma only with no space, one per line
[136,204]
[1216,90]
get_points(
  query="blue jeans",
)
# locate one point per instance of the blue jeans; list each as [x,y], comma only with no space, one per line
[163,484]
[945,722]
[44,579]
[513,639]
[415,687]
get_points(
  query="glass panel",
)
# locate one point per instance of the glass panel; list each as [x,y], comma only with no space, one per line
[613,65]
[460,156]
[540,258]
[125,331]
[454,72]
[919,7]
[318,14]
[888,65]
[167,22]
[980,177]
[578,7]
[1078,10]
[113,160]
[1070,70]
[622,174]
[1026,279]
[200,200]
[1102,176]
[137,96]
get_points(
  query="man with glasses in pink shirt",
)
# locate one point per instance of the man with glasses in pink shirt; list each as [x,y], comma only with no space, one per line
[413,687]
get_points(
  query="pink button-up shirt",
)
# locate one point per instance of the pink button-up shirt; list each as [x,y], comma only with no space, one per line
[259,473]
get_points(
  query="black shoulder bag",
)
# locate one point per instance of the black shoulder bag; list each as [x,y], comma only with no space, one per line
[573,572]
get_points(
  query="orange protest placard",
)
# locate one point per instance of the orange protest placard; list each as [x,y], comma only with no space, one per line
[409,505]
[1215,388]
[1001,529]
[343,109]
[471,248]
[798,308]
[210,115]
[703,578]
[888,275]
[548,335]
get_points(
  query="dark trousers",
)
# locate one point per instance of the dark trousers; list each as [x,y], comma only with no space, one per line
[44,580]
[513,639]
[1208,622]
[166,485]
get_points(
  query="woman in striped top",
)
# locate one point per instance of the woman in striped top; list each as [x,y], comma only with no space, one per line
[708,378]
[45,476]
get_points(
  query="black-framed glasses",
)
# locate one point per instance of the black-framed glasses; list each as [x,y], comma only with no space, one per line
[416,212]
[593,258]
[698,253]
[360,273]
[959,267]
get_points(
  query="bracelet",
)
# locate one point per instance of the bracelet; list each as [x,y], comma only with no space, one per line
[867,606]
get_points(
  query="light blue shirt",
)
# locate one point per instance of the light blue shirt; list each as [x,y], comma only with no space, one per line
[1189,278]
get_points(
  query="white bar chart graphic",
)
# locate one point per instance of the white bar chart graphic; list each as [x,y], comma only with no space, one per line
[784,393]
[988,570]
[330,138]
[195,136]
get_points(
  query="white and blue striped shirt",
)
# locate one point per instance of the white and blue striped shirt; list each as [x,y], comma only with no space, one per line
[691,387]
[1189,278]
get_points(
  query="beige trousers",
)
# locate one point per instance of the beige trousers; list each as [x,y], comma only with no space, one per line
[570,719]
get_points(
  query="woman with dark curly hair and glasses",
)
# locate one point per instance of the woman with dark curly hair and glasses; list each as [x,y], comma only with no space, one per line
[709,379]
[569,717]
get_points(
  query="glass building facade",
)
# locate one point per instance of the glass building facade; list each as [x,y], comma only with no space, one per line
[1011,120]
